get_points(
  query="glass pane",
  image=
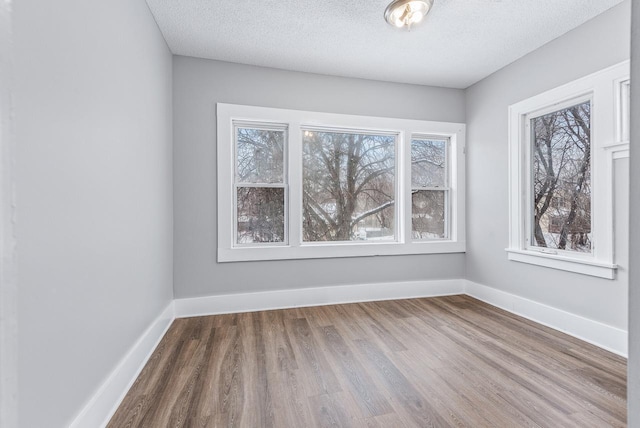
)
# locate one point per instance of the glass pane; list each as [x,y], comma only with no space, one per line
[349,186]
[428,163]
[260,214]
[427,214]
[562,179]
[259,155]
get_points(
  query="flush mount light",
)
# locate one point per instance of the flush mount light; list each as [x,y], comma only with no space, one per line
[405,13]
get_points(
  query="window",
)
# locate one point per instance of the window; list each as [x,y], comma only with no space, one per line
[561,171]
[296,184]
[348,186]
[260,186]
[561,178]
[429,191]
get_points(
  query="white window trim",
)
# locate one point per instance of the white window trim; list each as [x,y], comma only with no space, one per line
[604,88]
[298,119]
[282,185]
[445,188]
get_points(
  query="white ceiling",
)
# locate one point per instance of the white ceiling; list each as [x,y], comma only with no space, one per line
[459,43]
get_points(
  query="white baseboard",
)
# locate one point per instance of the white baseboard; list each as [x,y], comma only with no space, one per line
[316,296]
[605,336]
[106,400]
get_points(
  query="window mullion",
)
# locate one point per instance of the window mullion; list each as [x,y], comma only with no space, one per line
[294,188]
[263,185]
[447,214]
[442,189]
[527,183]
[406,180]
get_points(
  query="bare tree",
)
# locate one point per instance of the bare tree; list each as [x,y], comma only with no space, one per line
[260,214]
[260,155]
[428,173]
[428,214]
[348,181]
[562,178]
[348,186]
[260,195]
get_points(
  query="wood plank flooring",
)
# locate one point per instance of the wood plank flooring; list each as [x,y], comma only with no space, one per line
[437,362]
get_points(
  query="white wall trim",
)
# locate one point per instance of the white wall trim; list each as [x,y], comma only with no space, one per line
[104,403]
[603,90]
[569,264]
[605,336]
[294,122]
[315,296]
[611,338]
[106,400]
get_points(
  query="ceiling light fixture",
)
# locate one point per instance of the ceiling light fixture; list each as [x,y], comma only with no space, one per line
[405,13]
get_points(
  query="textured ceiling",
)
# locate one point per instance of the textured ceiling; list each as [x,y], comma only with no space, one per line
[459,43]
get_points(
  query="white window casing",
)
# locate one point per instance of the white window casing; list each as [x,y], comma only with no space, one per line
[607,90]
[255,184]
[294,122]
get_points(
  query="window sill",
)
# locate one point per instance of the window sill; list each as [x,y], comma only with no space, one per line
[585,267]
[321,251]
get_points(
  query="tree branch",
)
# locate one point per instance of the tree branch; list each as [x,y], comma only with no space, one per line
[318,210]
[371,212]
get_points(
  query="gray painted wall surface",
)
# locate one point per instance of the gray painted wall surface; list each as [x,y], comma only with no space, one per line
[198,85]
[599,43]
[94,184]
[633,379]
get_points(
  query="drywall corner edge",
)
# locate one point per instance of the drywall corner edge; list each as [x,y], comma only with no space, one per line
[8,239]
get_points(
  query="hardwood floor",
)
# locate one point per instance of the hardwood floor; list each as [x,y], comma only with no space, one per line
[447,361]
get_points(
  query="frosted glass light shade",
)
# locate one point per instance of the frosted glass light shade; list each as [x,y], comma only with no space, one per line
[405,13]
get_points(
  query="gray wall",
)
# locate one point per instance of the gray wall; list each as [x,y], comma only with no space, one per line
[94,185]
[597,44]
[198,85]
[633,379]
